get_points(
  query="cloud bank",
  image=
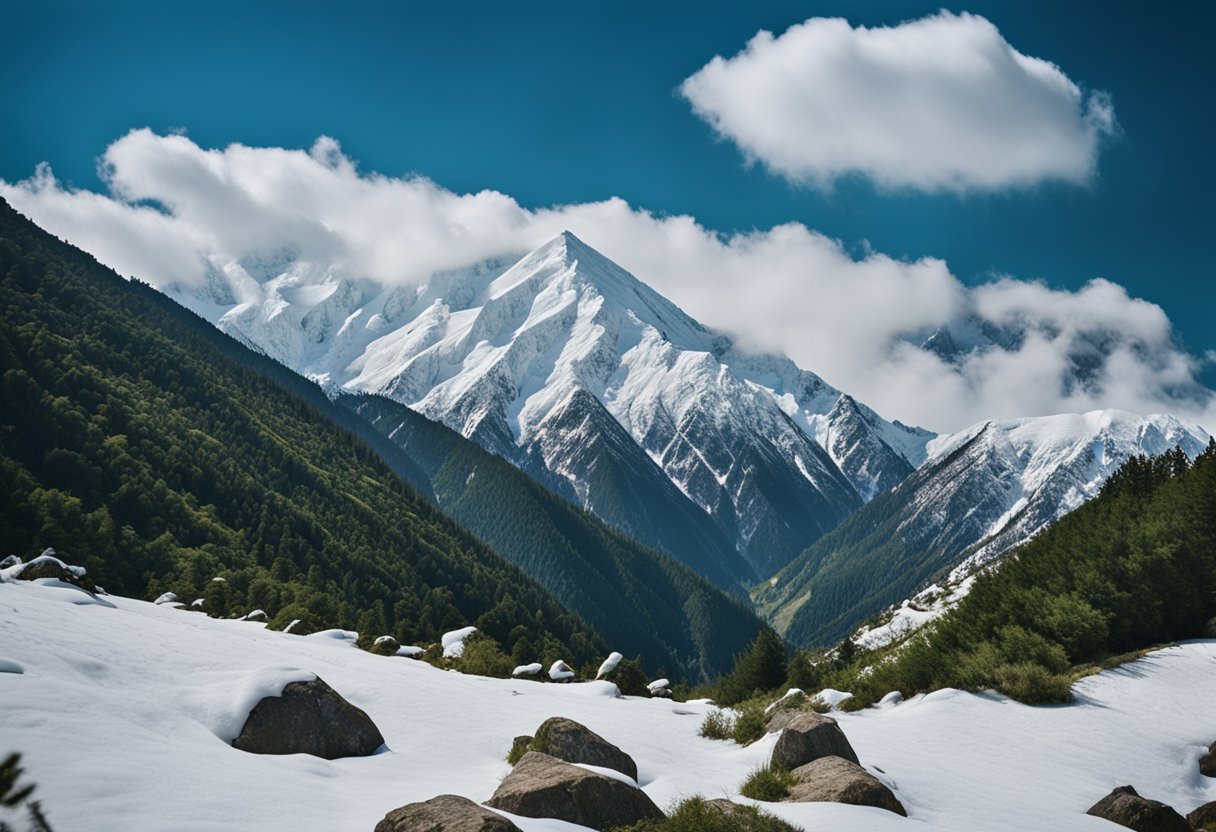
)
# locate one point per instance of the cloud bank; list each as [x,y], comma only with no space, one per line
[907,337]
[943,103]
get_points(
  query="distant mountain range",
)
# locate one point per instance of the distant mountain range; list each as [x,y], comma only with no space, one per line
[979,493]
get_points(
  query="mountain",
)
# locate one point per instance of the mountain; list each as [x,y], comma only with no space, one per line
[601,389]
[1132,568]
[979,493]
[142,443]
[642,601]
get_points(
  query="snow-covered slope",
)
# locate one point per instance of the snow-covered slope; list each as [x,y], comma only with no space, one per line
[979,493]
[118,711]
[583,376]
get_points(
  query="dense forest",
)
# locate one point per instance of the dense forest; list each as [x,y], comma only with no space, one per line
[642,601]
[140,442]
[1133,568]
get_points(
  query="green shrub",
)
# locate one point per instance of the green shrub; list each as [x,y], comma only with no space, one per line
[768,783]
[696,814]
[1032,683]
[519,748]
[482,656]
[717,725]
[749,724]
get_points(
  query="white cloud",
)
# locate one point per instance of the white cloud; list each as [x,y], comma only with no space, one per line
[940,103]
[177,212]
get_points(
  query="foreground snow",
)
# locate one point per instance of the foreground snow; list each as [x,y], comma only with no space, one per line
[117,710]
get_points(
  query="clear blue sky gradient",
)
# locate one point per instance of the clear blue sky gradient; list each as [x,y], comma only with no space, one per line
[555,103]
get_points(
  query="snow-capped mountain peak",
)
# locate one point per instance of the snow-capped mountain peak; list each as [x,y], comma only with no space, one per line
[577,371]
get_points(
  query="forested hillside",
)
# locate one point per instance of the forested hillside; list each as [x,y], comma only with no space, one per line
[642,601]
[142,443]
[1132,568]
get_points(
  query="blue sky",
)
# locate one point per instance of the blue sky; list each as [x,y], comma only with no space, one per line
[570,103]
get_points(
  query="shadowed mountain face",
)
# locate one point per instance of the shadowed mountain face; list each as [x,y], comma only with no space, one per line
[602,390]
[981,492]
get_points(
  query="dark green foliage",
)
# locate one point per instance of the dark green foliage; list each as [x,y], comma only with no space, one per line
[630,678]
[482,656]
[761,668]
[641,600]
[1132,568]
[744,723]
[12,795]
[696,814]
[142,443]
[769,783]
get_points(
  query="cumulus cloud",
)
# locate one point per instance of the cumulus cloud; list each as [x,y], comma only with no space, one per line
[907,337]
[940,103]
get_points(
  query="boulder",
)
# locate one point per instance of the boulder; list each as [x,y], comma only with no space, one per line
[1207,763]
[780,719]
[809,736]
[837,780]
[541,786]
[568,740]
[446,813]
[1204,818]
[309,718]
[1126,808]
[47,565]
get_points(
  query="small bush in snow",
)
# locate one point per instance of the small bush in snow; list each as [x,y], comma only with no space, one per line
[483,657]
[717,725]
[768,783]
[1032,683]
[696,814]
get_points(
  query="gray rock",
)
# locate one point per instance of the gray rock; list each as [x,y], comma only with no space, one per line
[1126,808]
[568,740]
[1207,763]
[11,560]
[541,786]
[809,736]
[309,718]
[837,780]
[446,813]
[1204,818]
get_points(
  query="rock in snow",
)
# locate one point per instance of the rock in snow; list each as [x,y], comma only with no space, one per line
[309,718]
[837,780]
[528,669]
[453,642]
[541,786]
[609,665]
[166,598]
[446,813]
[1127,808]
[559,671]
[575,743]
[809,736]
[1203,817]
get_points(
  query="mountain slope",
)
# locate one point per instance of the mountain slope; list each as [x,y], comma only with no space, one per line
[980,492]
[1132,568]
[139,441]
[584,377]
[642,601]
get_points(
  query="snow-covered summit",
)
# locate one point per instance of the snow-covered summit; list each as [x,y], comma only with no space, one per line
[578,372]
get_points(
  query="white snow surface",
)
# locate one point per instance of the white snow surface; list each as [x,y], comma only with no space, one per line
[120,731]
